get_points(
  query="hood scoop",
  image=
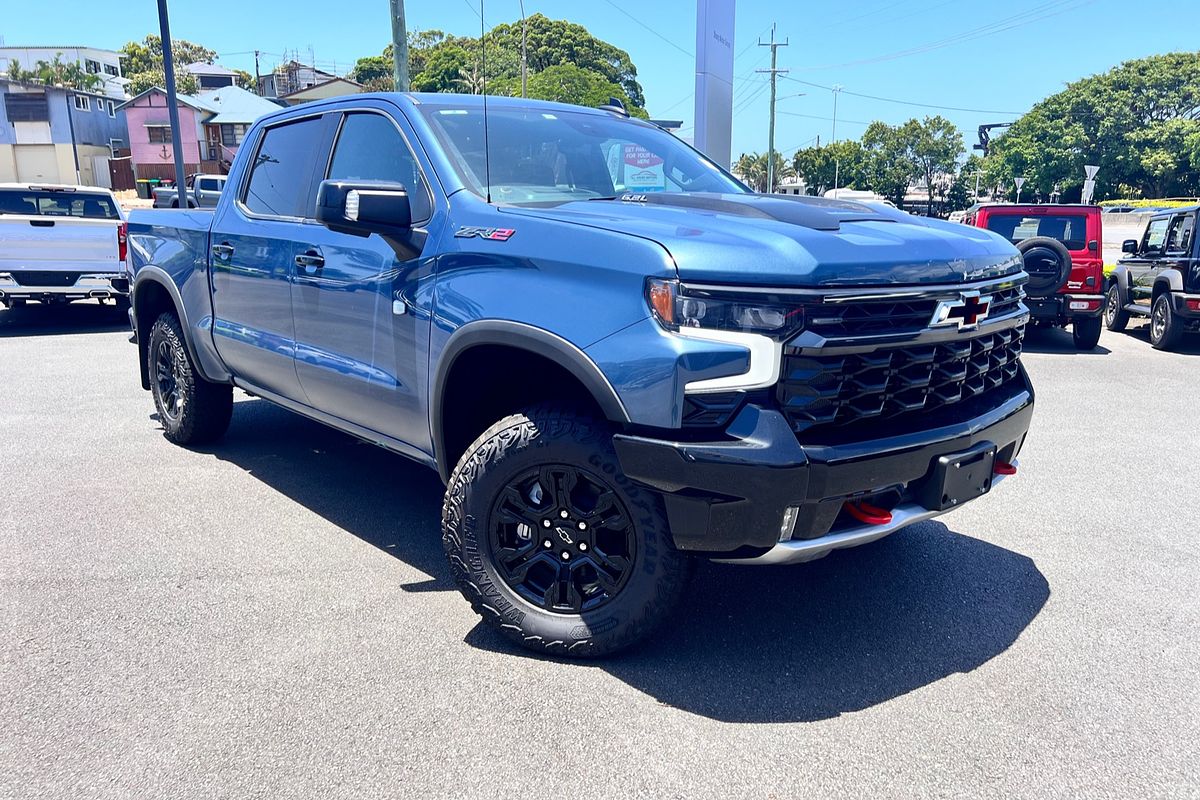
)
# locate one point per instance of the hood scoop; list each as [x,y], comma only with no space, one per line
[815,213]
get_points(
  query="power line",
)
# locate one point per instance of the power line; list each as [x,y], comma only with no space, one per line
[905,102]
[687,53]
[1028,17]
[827,119]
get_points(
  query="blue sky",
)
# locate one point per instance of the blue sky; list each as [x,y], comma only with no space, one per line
[991,58]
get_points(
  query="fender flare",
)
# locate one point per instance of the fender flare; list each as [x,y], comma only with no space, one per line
[146,275]
[1120,277]
[519,336]
[1172,279]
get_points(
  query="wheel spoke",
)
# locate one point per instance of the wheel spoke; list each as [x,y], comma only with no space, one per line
[607,512]
[615,566]
[517,509]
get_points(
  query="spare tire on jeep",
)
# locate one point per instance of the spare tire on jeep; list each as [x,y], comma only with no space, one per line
[1048,263]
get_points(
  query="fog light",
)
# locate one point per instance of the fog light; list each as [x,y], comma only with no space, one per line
[788,524]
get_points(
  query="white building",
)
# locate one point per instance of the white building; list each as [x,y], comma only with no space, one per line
[105,63]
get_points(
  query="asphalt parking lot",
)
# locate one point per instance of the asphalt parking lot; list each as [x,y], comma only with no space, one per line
[272,617]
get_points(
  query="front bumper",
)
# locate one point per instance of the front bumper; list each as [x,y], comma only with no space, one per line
[728,498]
[1062,307]
[99,285]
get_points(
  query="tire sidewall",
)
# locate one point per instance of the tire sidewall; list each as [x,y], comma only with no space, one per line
[1062,255]
[512,448]
[1168,335]
[1116,320]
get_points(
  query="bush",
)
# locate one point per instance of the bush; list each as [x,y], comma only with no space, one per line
[1174,202]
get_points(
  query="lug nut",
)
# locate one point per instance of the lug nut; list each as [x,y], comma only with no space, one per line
[545,523]
[563,514]
[583,545]
[566,555]
[546,544]
[583,526]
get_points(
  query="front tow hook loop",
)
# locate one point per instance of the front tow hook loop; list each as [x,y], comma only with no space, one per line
[867,513]
[1004,468]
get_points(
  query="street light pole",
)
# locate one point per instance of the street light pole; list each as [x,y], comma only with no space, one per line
[399,46]
[837,161]
[164,30]
[524,60]
[771,125]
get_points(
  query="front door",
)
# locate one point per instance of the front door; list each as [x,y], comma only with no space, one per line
[361,303]
[254,243]
[1144,266]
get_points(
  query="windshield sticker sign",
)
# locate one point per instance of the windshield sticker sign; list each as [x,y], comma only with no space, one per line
[643,170]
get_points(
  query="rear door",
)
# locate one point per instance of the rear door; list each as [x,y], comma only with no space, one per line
[1177,252]
[1144,266]
[254,241]
[208,190]
[360,303]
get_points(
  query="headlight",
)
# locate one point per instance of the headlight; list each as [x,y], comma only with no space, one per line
[676,306]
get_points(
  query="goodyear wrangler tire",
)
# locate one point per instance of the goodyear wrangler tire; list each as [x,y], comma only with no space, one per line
[190,409]
[552,544]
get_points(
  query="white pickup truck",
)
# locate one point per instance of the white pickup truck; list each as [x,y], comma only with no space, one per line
[61,243]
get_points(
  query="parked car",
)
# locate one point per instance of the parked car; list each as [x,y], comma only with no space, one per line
[1159,279]
[60,244]
[614,353]
[1061,245]
[203,191]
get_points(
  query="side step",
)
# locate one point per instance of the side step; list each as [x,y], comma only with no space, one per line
[1135,309]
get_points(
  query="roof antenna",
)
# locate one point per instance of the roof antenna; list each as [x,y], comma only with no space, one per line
[487,155]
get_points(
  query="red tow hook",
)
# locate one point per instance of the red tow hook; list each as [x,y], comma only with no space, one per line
[1004,468]
[867,513]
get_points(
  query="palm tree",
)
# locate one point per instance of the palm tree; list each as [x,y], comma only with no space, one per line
[752,168]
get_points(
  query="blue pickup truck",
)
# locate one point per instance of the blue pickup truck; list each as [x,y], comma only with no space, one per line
[617,357]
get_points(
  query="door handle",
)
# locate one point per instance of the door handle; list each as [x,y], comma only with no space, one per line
[310,258]
[222,251]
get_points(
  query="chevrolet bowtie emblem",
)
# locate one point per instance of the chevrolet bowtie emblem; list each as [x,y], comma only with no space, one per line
[967,311]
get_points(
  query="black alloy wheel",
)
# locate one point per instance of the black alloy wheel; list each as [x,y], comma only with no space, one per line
[167,382]
[562,539]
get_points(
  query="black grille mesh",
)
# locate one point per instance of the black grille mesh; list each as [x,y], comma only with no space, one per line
[865,318]
[841,389]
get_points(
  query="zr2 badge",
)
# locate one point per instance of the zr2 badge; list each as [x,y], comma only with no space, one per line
[494,234]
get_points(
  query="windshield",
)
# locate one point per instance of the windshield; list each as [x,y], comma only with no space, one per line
[33,202]
[540,156]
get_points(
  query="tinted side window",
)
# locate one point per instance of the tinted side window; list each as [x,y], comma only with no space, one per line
[208,184]
[1179,239]
[370,148]
[282,168]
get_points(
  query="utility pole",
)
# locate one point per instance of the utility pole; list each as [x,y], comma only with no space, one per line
[399,46]
[257,77]
[837,161]
[164,29]
[524,61]
[774,73]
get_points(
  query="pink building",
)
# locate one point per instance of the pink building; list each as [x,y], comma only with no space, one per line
[211,126]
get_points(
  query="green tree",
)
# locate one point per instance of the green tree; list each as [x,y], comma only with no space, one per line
[567,83]
[934,147]
[887,165]
[144,63]
[843,162]
[1137,122]
[752,168]
[372,68]
[56,72]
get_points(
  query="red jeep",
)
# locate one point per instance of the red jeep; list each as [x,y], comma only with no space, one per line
[1062,249]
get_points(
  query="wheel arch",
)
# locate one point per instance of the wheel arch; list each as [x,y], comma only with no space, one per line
[1169,280]
[500,345]
[152,294]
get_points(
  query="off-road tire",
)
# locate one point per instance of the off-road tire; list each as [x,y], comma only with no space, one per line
[1115,315]
[1165,330]
[202,410]
[511,447]
[1048,263]
[1086,332]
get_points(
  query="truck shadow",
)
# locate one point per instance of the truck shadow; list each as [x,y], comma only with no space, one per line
[36,319]
[768,644]
[1057,341]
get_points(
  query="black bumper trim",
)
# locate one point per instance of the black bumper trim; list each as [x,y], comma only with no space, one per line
[725,495]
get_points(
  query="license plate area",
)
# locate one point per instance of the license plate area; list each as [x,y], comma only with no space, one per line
[959,477]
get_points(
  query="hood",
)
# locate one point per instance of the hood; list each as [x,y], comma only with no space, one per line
[795,241]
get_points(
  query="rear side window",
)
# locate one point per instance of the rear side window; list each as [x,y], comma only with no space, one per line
[1179,239]
[370,148]
[57,204]
[282,168]
[1070,229]
[209,184]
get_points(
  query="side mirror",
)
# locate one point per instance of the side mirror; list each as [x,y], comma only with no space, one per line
[1129,246]
[361,208]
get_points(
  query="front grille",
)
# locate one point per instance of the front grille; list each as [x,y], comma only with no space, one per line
[45,278]
[835,320]
[817,390]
